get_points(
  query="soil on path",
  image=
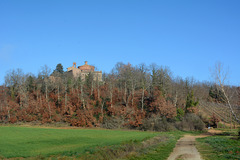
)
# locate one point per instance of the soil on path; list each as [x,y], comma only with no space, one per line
[185,149]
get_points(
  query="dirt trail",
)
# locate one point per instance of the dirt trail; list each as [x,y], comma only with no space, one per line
[185,149]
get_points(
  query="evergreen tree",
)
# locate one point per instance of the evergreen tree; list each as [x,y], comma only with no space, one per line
[190,102]
[58,72]
[30,84]
[59,68]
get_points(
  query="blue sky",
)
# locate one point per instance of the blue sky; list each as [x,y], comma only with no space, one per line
[188,36]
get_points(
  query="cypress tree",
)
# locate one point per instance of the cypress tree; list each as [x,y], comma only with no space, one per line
[59,68]
[190,102]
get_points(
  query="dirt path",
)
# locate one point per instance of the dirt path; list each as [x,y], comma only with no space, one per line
[185,149]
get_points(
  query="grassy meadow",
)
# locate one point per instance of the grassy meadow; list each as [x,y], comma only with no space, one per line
[223,146]
[32,142]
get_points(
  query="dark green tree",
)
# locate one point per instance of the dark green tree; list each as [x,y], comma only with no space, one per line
[59,68]
[58,72]
[30,84]
[180,113]
[190,102]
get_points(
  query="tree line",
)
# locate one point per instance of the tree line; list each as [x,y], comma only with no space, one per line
[128,96]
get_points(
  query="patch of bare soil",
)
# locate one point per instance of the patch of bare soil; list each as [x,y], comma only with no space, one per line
[214,131]
[185,149]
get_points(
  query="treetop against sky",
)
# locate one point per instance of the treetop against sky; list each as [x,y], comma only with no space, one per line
[188,36]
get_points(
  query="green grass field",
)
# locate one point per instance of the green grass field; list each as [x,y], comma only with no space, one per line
[32,142]
[225,146]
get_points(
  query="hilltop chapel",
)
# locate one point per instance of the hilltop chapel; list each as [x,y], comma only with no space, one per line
[84,70]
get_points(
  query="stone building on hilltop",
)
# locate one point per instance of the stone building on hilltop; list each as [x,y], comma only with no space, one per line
[84,70]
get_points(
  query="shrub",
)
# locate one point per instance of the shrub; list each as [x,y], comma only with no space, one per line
[214,120]
[156,123]
[204,117]
[112,122]
[190,122]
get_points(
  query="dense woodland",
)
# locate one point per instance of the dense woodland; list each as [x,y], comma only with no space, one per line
[135,97]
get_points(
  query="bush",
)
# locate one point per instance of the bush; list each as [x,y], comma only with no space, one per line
[112,122]
[190,122]
[155,123]
[214,120]
[204,117]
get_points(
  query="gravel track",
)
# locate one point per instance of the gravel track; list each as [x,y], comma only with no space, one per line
[185,149]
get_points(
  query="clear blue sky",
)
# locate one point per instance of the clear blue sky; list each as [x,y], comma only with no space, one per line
[188,36]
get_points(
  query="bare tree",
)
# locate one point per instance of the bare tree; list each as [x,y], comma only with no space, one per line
[220,76]
[111,83]
[144,79]
[44,74]
[15,80]
[4,103]
[126,81]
